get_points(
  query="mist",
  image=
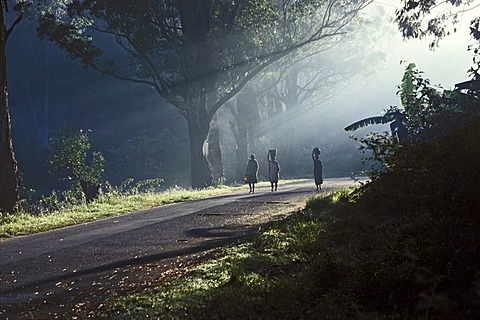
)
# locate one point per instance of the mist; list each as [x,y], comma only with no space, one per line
[367,92]
[144,137]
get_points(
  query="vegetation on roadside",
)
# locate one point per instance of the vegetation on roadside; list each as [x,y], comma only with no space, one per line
[56,214]
[70,207]
[73,160]
[256,279]
[404,246]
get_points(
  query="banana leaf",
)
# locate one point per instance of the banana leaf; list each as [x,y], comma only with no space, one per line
[367,122]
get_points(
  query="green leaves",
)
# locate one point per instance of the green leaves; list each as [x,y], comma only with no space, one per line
[428,114]
[408,88]
[73,159]
[69,35]
[366,122]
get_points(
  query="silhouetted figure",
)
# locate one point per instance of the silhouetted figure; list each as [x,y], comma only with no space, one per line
[317,168]
[273,169]
[252,173]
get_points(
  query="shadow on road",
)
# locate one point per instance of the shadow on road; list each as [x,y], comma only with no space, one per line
[227,238]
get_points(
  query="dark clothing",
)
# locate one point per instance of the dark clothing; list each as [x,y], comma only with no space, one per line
[273,170]
[252,171]
[318,171]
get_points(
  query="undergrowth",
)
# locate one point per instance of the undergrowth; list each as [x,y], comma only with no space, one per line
[56,214]
[405,246]
[61,209]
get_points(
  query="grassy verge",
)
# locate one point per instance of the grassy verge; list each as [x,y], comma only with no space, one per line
[268,277]
[107,205]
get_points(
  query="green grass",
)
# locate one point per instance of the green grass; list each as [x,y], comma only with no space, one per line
[23,223]
[267,277]
[106,206]
[336,259]
[350,254]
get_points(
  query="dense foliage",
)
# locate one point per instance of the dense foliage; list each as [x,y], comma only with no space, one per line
[423,18]
[425,203]
[428,113]
[429,203]
[73,160]
[404,246]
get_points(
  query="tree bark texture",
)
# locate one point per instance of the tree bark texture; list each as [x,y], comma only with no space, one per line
[241,136]
[241,153]
[199,84]
[289,95]
[214,150]
[200,170]
[9,177]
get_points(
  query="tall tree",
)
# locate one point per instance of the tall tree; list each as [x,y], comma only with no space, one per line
[196,54]
[303,81]
[424,18]
[9,177]
[245,112]
[437,19]
[214,153]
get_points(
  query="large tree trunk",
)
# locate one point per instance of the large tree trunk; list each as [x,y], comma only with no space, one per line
[199,77]
[9,194]
[201,173]
[198,128]
[241,139]
[241,153]
[214,150]
[290,157]
[245,115]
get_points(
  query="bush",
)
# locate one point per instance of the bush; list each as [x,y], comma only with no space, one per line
[130,187]
[428,205]
[73,160]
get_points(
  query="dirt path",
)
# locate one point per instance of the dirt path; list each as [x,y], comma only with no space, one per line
[65,273]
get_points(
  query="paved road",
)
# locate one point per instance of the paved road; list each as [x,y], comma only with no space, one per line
[34,267]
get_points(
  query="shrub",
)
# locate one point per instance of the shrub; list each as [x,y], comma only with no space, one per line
[429,202]
[73,160]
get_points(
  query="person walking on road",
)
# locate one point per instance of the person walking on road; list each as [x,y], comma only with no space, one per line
[273,169]
[317,168]
[252,173]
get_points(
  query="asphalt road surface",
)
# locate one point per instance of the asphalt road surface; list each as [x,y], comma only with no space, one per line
[53,268]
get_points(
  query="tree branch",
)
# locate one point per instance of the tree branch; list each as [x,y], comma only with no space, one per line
[15,22]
